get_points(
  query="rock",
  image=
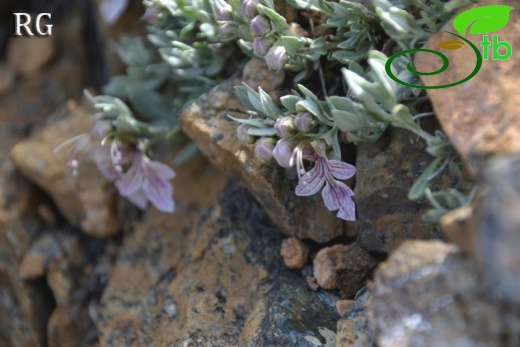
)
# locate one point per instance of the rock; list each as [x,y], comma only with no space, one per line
[353,329]
[294,253]
[342,267]
[256,74]
[386,170]
[428,294]
[6,78]
[88,200]
[480,116]
[36,260]
[343,306]
[28,54]
[459,228]
[291,315]
[497,225]
[209,274]
[205,121]
[24,306]
[67,326]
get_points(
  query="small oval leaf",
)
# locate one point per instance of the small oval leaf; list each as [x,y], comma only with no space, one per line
[484,19]
[451,45]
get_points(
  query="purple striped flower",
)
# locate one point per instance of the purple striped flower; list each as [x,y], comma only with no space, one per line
[276,58]
[260,25]
[147,180]
[327,174]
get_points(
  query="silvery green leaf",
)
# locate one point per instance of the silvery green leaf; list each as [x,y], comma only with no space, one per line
[346,57]
[256,122]
[292,44]
[355,67]
[350,121]
[243,96]
[278,22]
[319,46]
[420,185]
[402,118]
[289,102]
[261,131]
[269,107]
[377,62]
[310,95]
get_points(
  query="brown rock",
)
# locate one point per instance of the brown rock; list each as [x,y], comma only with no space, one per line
[459,228]
[36,260]
[87,200]
[343,306]
[353,329]
[28,54]
[294,253]
[427,294]
[342,267]
[205,121]
[67,326]
[480,116]
[386,170]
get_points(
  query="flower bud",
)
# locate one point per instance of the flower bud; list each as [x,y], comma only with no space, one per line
[224,13]
[264,149]
[151,15]
[249,8]
[276,58]
[260,25]
[283,152]
[228,31]
[261,46]
[304,121]
[285,127]
[243,137]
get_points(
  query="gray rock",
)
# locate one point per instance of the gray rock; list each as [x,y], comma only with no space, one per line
[427,295]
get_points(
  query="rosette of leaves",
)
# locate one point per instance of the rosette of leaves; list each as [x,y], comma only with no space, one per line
[187,37]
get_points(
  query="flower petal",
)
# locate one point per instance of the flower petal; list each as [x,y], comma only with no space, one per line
[341,170]
[336,194]
[138,199]
[131,180]
[158,169]
[347,211]
[159,192]
[312,181]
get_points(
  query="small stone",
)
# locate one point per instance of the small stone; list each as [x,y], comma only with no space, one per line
[458,227]
[294,253]
[312,283]
[353,328]
[343,306]
[342,267]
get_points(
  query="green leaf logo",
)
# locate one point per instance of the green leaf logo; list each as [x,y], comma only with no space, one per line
[451,45]
[481,20]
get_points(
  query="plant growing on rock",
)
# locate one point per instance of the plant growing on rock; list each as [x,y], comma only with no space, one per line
[307,130]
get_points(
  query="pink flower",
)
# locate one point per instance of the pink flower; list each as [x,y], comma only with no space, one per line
[147,180]
[336,194]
